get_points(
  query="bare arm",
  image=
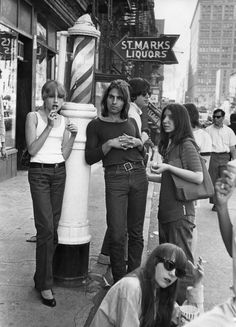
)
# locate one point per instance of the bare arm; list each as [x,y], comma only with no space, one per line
[188,175]
[33,143]
[223,189]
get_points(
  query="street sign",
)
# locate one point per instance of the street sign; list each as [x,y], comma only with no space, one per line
[154,114]
[158,49]
[6,45]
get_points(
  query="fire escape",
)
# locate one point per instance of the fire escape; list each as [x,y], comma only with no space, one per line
[115,20]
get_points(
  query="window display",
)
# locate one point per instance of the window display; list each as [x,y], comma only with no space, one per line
[8,81]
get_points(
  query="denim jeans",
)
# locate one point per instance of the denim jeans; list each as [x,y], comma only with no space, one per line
[47,189]
[126,193]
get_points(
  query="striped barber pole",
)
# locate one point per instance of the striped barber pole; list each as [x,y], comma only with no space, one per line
[82,69]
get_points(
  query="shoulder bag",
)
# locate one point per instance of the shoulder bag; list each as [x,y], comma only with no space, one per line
[189,191]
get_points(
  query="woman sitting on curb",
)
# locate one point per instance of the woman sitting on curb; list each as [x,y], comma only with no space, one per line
[146,297]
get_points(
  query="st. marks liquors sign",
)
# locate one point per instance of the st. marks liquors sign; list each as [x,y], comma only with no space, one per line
[157,49]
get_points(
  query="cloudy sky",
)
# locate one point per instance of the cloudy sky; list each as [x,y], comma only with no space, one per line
[178,15]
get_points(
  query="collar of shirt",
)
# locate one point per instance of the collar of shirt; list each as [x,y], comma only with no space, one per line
[218,127]
[139,111]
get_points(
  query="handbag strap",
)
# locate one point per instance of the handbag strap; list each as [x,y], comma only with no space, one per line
[181,148]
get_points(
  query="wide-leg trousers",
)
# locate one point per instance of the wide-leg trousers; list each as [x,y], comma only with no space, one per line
[47,189]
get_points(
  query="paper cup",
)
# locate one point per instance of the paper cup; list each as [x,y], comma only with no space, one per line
[189,312]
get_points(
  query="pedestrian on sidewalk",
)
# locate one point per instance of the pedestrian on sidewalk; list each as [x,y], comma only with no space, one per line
[146,296]
[177,218]
[224,314]
[114,138]
[49,140]
[140,92]
[233,122]
[201,137]
[223,147]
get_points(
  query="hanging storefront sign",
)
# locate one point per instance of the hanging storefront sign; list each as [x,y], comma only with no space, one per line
[157,49]
[154,114]
[6,47]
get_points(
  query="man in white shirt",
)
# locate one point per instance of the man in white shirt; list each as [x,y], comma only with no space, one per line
[223,147]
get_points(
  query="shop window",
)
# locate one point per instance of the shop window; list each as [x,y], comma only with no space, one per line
[46,51]
[8,81]
[44,70]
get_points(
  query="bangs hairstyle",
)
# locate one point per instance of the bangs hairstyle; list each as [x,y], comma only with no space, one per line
[182,125]
[49,88]
[166,296]
[138,86]
[123,87]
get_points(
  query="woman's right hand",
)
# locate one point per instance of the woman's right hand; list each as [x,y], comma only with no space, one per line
[158,168]
[52,117]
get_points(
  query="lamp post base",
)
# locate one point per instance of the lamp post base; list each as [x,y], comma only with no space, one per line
[70,263]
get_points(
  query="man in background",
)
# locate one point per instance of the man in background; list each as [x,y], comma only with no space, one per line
[223,147]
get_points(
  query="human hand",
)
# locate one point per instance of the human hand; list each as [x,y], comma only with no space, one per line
[129,142]
[52,116]
[197,272]
[224,187]
[72,128]
[117,143]
[3,153]
[158,168]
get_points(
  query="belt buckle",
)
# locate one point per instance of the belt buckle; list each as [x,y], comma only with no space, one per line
[56,165]
[128,166]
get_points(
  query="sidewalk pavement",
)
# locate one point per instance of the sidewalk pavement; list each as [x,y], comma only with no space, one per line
[20,304]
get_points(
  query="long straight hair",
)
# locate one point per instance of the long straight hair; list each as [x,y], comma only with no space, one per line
[157,308]
[183,129]
[123,87]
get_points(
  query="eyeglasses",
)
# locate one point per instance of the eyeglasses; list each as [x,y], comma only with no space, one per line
[170,265]
[218,117]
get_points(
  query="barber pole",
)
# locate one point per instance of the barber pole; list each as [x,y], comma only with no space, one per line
[82,69]
[72,253]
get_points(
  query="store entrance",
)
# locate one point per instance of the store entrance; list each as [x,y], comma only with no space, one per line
[24,92]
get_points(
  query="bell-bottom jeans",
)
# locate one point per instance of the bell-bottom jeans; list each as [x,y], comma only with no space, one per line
[126,193]
[47,189]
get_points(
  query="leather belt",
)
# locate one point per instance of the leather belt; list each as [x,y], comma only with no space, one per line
[205,153]
[127,166]
[46,165]
[220,152]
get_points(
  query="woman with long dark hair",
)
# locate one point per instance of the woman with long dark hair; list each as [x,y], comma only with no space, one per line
[146,297]
[114,138]
[177,218]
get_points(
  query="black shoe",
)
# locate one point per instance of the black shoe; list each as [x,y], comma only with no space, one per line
[214,208]
[49,302]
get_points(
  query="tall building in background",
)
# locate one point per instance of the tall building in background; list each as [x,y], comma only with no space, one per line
[212,49]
